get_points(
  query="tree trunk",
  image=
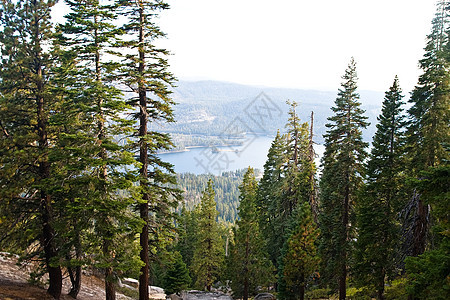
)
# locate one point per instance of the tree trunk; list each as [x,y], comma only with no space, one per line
[380,293]
[342,283]
[420,228]
[143,239]
[110,288]
[311,156]
[245,293]
[54,272]
[380,289]
[345,218]
[302,291]
[75,279]
[48,234]
[143,158]
[75,275]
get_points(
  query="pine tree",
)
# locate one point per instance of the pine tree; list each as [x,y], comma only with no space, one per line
[187,234]
[341,178]
[382,197]
[28,104]
[428,151]
[299,254]
[297,191]
[250,267]
[288,181]
[269,191]
[146,76]
[429,114]
[177,276]
[297,166]
[209,251]
[313,192]
[88,34]
[428,130]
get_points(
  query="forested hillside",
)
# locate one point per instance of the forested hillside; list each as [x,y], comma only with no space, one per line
[207,107]
[225,187]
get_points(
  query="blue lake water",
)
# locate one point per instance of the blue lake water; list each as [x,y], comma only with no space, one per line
[252,153]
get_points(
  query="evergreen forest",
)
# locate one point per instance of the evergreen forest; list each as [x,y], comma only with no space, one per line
[82,186]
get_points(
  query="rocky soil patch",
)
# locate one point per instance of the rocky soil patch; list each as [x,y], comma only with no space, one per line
[14,285]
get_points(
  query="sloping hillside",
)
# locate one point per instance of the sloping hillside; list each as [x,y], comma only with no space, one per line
[209,107]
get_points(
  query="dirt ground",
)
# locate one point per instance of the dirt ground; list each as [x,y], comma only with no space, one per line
[14,285]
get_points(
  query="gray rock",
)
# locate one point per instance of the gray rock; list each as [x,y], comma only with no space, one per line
[130,282]
[199,295]
[265,296]
[155,290]
[174,297]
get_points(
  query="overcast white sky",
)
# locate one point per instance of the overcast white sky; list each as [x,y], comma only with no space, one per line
[297,43]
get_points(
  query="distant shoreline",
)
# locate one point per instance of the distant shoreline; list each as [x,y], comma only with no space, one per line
[186,149]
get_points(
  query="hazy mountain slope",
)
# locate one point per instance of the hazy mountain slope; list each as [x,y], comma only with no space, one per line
[212,108]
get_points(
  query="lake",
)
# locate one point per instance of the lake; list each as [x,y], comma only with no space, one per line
[201,160]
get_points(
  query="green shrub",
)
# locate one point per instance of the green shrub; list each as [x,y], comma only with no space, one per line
[318,294]
[396,290]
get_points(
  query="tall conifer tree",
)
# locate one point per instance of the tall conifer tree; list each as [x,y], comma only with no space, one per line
[89,34]
[295,208]
[28,105]
[428,151]
[341,178]
[249,262]
[428,130]
[288,181]
[146,76]
[382,197]
[297,166]
[209,251]
[177,277]
[187,234]
[299,257]
[269,191]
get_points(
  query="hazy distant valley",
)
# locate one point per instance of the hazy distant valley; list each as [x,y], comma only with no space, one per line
[218,113]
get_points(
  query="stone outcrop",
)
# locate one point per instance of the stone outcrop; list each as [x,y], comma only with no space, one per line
[154,292]
[265,296]
[199,295]
[174,297]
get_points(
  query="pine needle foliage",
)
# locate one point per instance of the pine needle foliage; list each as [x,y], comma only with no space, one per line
[343,170]
[209,252]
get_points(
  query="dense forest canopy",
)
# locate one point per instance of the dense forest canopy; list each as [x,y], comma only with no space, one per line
[87,106]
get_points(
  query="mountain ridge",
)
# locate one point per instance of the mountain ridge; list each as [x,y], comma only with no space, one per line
[209,107]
